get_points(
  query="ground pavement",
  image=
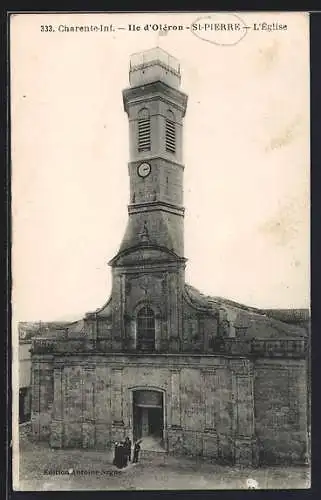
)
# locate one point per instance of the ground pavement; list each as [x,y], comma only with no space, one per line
[42,468]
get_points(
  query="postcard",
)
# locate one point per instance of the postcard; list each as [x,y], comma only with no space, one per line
[160,250]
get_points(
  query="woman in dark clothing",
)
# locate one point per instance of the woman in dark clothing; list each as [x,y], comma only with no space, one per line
[119,456]
[124,456]
[136,452]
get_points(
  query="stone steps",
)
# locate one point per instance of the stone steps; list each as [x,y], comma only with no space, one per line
[159,456]
[152,452]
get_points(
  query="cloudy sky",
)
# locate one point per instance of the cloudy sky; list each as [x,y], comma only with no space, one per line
[246,153]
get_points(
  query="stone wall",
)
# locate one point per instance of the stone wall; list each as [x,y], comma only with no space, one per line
[42,396]
[208,403]
[232,409]
[199,330]
[165,288]
[281,410]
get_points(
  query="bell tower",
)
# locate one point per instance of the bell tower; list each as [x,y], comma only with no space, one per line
[155,107]
[149,268]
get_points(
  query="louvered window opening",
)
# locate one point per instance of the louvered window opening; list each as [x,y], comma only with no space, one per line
[170,136]
[144,134]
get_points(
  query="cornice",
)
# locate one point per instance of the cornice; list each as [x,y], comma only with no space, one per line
[149,246]
[144,92]
[156,157]
[153,206]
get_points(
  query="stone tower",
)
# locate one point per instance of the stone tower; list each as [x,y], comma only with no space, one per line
[148,270]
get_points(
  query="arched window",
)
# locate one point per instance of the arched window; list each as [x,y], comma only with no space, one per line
[146,329]
[144,136]
[170,132]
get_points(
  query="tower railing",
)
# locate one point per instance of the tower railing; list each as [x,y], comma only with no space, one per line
[153,56]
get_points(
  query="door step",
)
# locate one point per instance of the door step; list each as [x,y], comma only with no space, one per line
[157,457]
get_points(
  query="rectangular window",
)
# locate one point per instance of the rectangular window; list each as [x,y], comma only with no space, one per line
[144,134]
[170,136]
[146,330]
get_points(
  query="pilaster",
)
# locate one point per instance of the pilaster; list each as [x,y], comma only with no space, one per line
[175,399]
[116,397]
[210,439]
[243,428]
[35,400]
[56,434]
[117,310]
[88,424]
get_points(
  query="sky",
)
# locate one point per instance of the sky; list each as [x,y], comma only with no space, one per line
[246,156]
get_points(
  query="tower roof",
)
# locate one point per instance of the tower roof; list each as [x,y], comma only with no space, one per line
[154,65]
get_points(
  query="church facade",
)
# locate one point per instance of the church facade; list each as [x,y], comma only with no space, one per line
[160,361]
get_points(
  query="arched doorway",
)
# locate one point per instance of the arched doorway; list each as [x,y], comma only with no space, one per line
[148,417]
[145,329]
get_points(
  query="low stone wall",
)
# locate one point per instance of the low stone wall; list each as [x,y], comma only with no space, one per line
[25,430]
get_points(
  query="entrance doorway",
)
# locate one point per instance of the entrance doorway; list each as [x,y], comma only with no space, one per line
[148,421]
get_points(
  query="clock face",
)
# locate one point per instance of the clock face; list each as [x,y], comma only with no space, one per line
[144,169]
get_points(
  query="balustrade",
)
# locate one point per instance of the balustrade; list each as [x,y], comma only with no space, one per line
[224,346]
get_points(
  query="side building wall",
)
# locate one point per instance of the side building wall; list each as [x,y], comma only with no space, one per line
[42,396]
[280,394]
